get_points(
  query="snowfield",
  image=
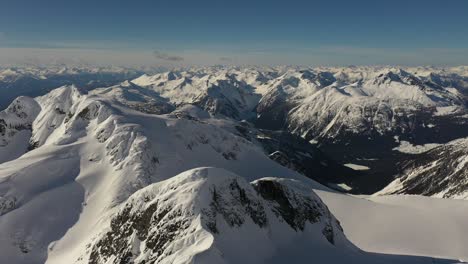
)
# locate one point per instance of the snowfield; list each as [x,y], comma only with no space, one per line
[403,224]
[356,166]
[407,147]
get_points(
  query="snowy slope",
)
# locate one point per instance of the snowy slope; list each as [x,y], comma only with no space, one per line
[403,224]
[210,215]
[91,156]
[207,215]
[218,93]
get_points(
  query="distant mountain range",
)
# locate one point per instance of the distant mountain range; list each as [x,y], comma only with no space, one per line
[35,81]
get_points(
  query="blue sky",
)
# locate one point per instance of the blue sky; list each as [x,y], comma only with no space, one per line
[333,32]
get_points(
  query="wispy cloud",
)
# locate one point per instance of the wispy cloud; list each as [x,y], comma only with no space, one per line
[314,56]
[225,59]
[167,57]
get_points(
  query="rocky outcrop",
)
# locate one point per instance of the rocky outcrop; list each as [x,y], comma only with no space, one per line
[165,221]
[439,172]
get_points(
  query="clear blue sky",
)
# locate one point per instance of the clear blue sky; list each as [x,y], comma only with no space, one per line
[267,32]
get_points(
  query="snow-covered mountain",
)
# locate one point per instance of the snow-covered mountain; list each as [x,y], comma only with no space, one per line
[220,92]
[90,156]
[201,215]
[104,182]
[198,165]
[35,81]
[319,103]
[354,108]
[15,127]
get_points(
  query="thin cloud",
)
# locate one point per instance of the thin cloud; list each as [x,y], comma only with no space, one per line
[225,59]
[167,57]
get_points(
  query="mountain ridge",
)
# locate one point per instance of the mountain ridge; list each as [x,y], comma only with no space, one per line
[110,163]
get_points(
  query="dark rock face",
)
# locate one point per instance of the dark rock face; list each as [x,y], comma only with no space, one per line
[272,111]
[228,208]
[7,203]
[157,108]
[84,113]
[118,243]
[3,127]
[296,217]
[375,150]
[442,171]
[296,209]
[218,104]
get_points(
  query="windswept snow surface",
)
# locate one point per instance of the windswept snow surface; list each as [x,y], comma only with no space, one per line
[403,224]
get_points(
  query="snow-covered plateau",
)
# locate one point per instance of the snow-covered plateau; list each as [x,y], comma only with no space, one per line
[216,165]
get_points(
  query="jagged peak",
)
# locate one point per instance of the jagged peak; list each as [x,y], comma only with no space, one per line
[204,205]
[22,108]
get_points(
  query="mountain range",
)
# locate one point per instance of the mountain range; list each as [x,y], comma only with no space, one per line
[234,165]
